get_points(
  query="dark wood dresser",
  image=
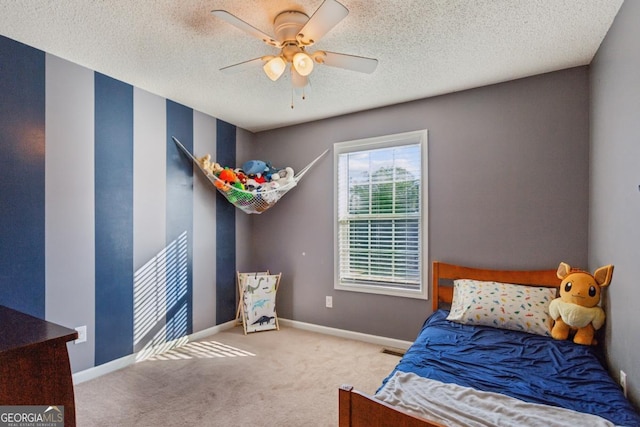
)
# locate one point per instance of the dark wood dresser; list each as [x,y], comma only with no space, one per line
[34,363]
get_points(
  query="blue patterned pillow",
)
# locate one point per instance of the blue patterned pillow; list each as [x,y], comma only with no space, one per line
[502,305]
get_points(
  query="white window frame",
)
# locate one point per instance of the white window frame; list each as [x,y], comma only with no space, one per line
[408,138]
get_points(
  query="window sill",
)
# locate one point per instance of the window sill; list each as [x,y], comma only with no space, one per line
[381,290]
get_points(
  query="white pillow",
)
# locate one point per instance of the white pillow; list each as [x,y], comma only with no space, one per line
[502,305]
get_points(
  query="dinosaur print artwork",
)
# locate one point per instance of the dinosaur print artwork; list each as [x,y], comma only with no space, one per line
[259,302]
[264,319]
[253,289]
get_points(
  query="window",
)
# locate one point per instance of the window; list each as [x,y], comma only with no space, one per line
[380,201]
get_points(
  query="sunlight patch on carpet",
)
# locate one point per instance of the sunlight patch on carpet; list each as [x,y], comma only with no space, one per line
[201,350]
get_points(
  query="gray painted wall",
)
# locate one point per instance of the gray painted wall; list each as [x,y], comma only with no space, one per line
[614,227]
[149,213]
[204,221]
[69,202]
[506,164]
[149,187]
[244,140]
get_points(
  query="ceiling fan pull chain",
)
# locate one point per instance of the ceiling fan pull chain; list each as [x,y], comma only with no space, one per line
[292,95]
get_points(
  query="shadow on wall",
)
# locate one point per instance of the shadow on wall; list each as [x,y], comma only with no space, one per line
[160,301]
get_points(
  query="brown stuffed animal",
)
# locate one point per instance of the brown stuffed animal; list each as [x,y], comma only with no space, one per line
[577,308]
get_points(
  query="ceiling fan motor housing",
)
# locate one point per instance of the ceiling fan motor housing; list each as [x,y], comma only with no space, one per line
[288,24]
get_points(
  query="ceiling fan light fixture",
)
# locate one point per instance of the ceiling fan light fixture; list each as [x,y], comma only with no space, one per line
[274,68]
[303,63]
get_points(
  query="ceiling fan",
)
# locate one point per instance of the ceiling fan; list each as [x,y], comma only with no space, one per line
[294,33]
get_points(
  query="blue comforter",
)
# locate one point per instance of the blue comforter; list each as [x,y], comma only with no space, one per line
[529,367]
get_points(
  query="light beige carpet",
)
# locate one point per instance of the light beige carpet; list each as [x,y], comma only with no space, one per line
[275,378]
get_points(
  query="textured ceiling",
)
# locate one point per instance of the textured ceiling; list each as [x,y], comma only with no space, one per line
[425,47]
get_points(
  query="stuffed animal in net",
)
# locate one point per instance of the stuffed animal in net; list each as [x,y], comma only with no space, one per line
[577,307]
[212,168]
[284,176]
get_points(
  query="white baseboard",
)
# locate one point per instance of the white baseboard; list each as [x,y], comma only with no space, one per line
[123,362]
[105,368]
[211,331]
[342,333]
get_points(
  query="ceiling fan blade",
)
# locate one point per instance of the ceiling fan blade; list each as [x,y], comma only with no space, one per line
[244,26]
[325,18]
[246,65]
[349,62]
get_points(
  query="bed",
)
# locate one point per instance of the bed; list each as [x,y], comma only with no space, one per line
[491,367]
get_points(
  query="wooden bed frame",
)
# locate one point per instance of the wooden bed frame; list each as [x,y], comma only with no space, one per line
[357,409]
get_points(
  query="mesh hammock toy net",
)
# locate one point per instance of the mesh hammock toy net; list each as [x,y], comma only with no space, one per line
[251,202]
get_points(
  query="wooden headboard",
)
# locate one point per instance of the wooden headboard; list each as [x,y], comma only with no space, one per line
[443,274]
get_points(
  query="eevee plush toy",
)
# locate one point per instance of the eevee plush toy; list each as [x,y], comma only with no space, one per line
[577,307]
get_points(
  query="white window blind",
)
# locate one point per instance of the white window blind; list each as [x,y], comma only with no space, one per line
[379,218]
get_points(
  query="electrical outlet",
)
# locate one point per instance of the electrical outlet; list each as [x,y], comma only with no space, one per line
[329,302]
[82,334]
[623,382]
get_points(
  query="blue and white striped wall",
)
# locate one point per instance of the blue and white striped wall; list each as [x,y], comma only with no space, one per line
[102,220]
